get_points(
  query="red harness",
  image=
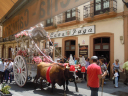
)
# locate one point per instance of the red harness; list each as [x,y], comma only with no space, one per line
[48,74]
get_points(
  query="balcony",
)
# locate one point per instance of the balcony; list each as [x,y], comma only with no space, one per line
[68,18]
[49,24]
[100,10]
[10,38]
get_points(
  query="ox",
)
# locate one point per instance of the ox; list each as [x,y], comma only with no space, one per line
[57,74]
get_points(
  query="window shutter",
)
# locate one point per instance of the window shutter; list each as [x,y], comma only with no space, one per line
[91,9]
[77,13]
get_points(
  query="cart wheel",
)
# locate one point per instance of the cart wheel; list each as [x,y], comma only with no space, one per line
[20,71]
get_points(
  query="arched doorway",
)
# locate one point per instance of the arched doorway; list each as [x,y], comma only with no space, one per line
[108,35]
[70,44]
[102,47]
[9,53]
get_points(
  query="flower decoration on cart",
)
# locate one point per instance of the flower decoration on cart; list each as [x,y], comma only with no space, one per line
[36,59]
[23,53]
[21,34]
[46,59]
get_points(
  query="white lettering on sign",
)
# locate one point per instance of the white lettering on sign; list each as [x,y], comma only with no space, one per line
[73,32]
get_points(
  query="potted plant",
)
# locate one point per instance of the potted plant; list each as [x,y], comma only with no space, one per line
[5,90]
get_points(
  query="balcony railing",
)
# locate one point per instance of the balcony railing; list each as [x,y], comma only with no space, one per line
[99,8]
[10,38]
[6,39]
[49,22]
[68,16]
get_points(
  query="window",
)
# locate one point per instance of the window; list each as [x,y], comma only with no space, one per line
[70,15]
[101,6]
[70,45]
[97,40]
[102,44]
[49,22]
[67,45]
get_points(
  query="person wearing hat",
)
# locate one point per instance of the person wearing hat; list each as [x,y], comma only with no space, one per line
[8,69]
[93,75]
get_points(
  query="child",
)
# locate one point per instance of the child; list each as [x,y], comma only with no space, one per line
[116,78]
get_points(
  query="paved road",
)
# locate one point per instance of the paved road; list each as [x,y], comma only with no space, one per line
[29,90]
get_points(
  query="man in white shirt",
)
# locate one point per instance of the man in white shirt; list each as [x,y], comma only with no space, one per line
[8,69]
[5,63]
[2,70]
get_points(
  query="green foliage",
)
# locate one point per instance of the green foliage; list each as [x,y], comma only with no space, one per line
[5,89]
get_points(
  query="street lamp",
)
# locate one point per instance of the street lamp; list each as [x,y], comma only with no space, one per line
[126,3]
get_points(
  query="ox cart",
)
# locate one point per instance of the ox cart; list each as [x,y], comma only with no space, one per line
[28,54]
[25,68]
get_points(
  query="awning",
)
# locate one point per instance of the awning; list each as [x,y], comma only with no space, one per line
[5,6]
[36,11]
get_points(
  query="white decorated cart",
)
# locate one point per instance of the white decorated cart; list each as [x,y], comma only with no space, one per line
[28,53]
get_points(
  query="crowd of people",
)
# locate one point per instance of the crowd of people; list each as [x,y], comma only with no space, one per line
[6,70]
[76,60]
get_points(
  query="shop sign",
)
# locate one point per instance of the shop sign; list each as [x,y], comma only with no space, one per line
[83,51]
[55,44]
[74,32]
[36,11]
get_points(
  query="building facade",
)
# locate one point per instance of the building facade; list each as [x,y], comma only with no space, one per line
[94,28]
